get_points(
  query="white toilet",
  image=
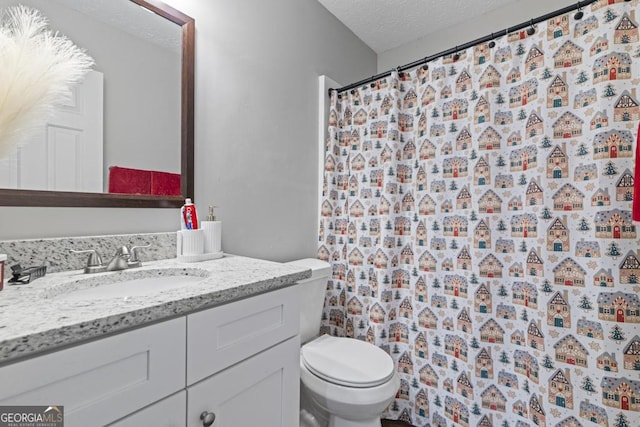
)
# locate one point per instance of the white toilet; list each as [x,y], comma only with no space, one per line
[344,382]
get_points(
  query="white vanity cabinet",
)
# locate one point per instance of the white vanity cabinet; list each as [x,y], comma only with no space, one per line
[238,361]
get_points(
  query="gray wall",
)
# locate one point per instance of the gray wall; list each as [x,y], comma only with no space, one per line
[257,68]
[491,22]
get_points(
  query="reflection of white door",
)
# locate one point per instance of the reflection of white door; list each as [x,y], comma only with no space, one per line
[66,153]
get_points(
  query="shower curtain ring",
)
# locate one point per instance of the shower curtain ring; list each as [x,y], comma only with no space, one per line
[579,14]
[456,55]
[531,30]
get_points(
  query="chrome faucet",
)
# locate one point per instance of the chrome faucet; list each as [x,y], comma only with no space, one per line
[123,259]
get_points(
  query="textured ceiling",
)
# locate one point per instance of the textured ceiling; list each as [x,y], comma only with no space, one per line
[386,24]
[131,18]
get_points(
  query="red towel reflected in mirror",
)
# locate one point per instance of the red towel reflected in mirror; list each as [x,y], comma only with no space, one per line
[140,181]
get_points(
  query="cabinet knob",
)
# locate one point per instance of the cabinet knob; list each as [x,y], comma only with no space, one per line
[207,418]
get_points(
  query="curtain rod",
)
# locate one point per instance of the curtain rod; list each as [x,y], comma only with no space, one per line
[492,36]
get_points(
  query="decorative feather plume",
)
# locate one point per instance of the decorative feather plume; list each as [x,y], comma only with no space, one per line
[37,69]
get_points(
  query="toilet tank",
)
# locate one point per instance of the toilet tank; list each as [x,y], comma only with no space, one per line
[312,293]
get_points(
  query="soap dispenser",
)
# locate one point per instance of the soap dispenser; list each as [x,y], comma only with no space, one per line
[213,233]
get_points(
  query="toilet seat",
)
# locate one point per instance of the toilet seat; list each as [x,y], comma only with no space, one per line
[347,362]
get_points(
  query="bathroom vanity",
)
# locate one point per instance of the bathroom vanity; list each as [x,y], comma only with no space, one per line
[220,349]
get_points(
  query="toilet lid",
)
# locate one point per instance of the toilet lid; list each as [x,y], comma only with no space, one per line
[347,361]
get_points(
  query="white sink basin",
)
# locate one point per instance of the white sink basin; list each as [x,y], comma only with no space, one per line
[130,285]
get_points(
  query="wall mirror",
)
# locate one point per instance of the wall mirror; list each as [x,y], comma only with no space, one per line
[142,88]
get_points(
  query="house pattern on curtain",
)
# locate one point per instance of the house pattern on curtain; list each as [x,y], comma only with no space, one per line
[477,216]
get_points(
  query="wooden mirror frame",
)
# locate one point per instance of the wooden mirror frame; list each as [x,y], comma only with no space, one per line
[10,197]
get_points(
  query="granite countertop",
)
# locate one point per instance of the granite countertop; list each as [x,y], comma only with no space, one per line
[48,313]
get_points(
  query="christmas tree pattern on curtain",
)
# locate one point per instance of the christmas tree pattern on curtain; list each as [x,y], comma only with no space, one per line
[477,217]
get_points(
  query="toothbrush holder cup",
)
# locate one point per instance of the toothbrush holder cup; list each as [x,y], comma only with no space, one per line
[190,242]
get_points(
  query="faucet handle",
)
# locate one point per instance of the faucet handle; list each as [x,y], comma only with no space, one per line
[94,262]
[134,252]
[94,259]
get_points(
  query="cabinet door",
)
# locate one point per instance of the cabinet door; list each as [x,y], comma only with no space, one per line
[103,380]
[260,391]
[169,412]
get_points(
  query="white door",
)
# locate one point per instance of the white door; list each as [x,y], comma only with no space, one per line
[260,391]
[64,154]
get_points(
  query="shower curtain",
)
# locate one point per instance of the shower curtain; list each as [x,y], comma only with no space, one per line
[477,217]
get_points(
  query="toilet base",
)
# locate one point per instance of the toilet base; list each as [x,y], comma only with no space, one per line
[329,410]
[308,420]
[311,415]
[335,421]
